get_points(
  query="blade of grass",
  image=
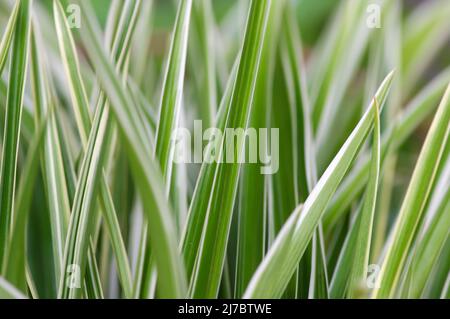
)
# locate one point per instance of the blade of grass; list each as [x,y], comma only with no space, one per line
[430,245]
[113,228]
[252,223]
[93,286]
[428,29]
[8,35]
[336,60]
[112,21]
[11,138]
[433,232]
[51,160]
[445,294]
[197,211]
[203,58]
[8,291]
[172,89]
[72,70]
[15,267]
[148,177]
[342,271]
[169,114]
[82,221]
[31,284]
[437,281]
[141,45]
[99,144]
[58,167]
[341,67]
[392,35]
[414,114]
[363,240]
[211,254]
[415,200]
[27,125]
[288,116]
[40,259]
[286,178]
[66,145]
[272,275]
[314,261]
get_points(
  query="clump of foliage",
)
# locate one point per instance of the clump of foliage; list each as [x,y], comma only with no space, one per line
[92,204]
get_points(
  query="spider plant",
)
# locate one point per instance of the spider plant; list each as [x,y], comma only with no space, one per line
[354,97]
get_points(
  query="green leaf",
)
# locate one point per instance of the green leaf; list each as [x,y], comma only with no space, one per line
[139,69]
[363,240]
[252,208]
[72,70]
[8,35]
[8,291]
[409,120]
[15,266]
[27,125]
[58,167]
[197,210]
[11,137]
[148,177]
[113,228]
[203,58]
[211,254]
[172,89]
[430,242]
[437,284]
[96,153]
[427,31]
[337,59]
[342,271]
[316,286]
[51,158]
[82,217]
[273,274]
[169,112]
[415,200]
